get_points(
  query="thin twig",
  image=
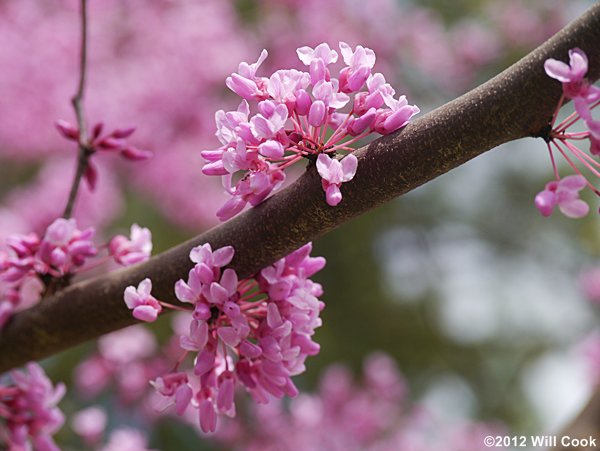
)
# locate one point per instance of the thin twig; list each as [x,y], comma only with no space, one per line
[77,101]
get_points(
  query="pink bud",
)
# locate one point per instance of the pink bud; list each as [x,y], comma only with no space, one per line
[362,123]
[208,416]
[317,113]
[225,395]
[135,154]
[145,313]
[214,168]
[204,363]
[271,149]
[183,396]
[97,130]
[91,176]
[121,133]
[111,144]
[303,102]
[67,130]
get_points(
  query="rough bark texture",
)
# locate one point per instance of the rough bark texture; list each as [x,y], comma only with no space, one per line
[517,103]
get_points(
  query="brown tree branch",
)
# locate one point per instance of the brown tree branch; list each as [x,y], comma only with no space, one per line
[586,424]
[517,103]
[85,151]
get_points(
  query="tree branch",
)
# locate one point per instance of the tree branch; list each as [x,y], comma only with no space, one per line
[84,152]
[517,103]
[586,424]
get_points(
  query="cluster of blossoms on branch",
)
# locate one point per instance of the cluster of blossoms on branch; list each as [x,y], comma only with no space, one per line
[343,414]
[31,265]
[28,413]
[376,414]
[255,333]
[300,116]
[564,191]
[126,360]
[113,142]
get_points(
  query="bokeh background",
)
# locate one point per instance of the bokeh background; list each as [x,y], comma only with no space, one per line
[474,295]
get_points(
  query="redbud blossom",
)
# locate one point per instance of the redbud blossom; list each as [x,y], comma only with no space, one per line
[254,333]
[570,75]
[564,192]
[89,424]
[126,357]
[28,410]
[58,255]
[64,247]
[145,307]
[136,249]
[299,116]
[334,173]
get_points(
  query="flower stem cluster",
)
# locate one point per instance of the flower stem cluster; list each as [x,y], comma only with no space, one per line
[301,115]
[255,333]
[113,142]
[28,410]
[564,191]
[30,264]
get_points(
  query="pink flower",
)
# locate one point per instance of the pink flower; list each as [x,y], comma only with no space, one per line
[284,84]
[268,126]
[255,333]
[318,59]
[134,250]
[377,88]
[360,62]
[396,117]
[176,389]
[570,75]
[565,194]
[299,118]
[145,307]
[126,439]
[585,112]
[65,247]
[590,284]
[334,173]
[245,83]
[89,424]
[228,123]
[253,189]
[29,410]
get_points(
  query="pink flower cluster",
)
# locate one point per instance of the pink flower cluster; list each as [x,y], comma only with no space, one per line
[300,116]
[29,411]
[112,142]
[31,261]
[564,192]
[28,263]
[90,423]
[127,359]
[255,333]
[343,415]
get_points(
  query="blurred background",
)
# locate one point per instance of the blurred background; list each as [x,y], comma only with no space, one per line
[474,295]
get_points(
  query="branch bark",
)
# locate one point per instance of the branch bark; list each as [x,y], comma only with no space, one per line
[586,424]
[84,151]
[515,104]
